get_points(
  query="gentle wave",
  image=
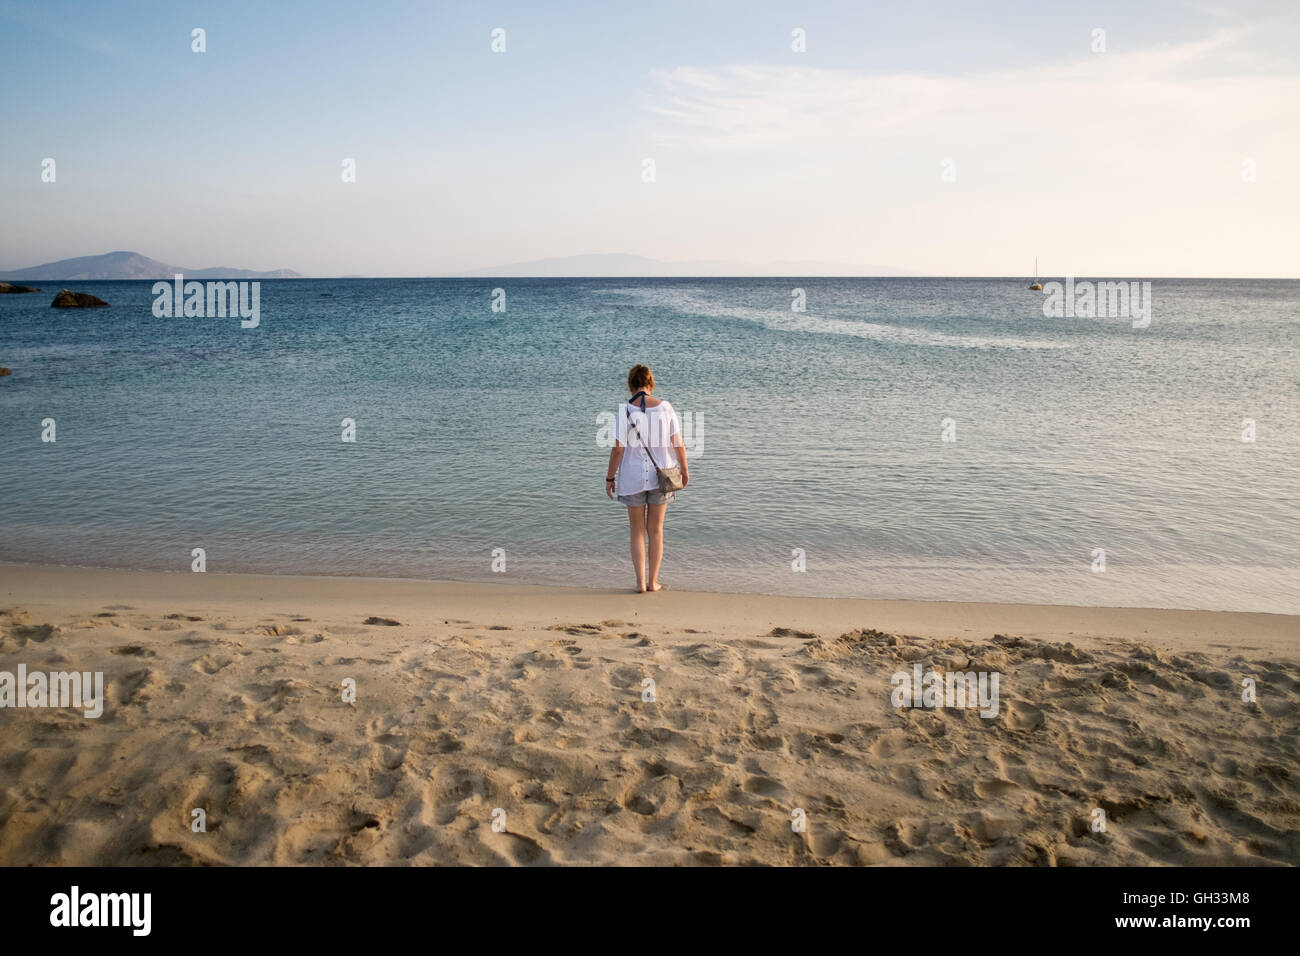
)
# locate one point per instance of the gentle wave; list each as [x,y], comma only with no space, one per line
[681,301]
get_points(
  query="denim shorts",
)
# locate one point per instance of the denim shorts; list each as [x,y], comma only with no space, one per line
[652,497]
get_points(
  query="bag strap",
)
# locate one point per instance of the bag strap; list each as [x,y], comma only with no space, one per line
[628,410]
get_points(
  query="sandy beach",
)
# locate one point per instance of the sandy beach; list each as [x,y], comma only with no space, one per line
[529,707]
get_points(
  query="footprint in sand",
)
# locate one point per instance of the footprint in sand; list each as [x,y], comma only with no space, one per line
[451,789]
[991,789]
[521,849]
[36,633]
[132,650]
[625,677]
[657,794]
[212,665]
[790,632]
[1020,716]
[765,787]
[139,686]
[579,630]
[304,638]
[274,630]
[392,749]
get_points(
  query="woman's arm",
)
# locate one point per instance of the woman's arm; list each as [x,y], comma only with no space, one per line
[615,458]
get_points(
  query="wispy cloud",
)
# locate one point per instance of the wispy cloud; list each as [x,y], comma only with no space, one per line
[1122,162]
[1208,92]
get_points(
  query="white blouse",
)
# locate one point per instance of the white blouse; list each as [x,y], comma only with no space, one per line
[656,425]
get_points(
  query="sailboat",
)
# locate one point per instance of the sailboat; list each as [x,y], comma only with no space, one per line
[1036,286]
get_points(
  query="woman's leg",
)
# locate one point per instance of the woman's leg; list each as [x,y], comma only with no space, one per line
[655,529]
[636,524]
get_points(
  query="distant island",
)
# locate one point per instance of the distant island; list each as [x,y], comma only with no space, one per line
[620,265]
[132,265]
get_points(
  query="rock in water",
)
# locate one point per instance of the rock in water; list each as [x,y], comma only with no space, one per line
[67,299]
[7,287]
[5,371]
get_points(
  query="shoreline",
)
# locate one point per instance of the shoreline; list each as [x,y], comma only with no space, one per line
[540,604]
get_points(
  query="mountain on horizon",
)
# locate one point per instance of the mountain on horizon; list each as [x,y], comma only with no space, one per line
[132,265]
[620,265]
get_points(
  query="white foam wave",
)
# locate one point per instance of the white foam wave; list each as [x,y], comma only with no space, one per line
[695,303]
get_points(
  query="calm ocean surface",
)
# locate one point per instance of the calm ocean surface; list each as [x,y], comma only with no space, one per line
[818,431]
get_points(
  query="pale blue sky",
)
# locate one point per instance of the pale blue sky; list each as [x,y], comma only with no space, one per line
[1127,162]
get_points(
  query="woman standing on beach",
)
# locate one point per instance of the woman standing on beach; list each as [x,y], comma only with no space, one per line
[632,473]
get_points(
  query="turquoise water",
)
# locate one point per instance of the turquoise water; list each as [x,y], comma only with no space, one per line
[819,431]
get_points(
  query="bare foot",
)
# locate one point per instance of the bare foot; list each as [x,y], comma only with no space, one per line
[656,587]
[640,589]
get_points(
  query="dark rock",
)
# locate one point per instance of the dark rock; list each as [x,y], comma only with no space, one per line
[67,299]
[4,371]
[6,287]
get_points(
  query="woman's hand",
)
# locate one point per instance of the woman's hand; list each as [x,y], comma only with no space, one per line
[680,451]
[615,460]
